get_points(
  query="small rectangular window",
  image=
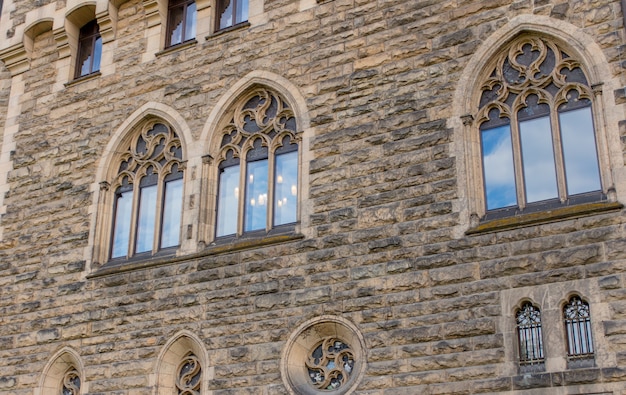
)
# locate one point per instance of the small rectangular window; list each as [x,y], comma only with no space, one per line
[89,50]
[231,13]
[181,23]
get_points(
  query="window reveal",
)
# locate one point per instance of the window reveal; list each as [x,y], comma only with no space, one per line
[148,194]
[536,129]
[260,192]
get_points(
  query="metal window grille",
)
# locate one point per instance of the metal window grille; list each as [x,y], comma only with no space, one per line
[529,335]
[578,329]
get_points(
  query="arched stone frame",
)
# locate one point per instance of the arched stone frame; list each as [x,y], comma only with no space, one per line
[170,358]
[606,114]
[62,361]
[211,136]
[102,204]
[306,338]
[550,299]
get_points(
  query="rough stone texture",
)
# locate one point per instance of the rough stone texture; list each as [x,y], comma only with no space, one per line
[384,245]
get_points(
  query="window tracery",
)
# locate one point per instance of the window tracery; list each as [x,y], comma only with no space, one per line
[529,335]
[537,132]
[189,374]
[148,193]
[578,329]
[71,382]
[330,364]
[258,166]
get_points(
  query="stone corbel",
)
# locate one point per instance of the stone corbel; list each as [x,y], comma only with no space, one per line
[15,58]
[106,25]
[63,43]
[152,12]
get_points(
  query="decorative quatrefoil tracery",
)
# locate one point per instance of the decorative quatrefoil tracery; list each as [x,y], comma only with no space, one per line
[188,376]
[71,382]
[330,364]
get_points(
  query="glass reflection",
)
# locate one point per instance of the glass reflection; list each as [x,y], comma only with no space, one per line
[228,200]
[579,151]
[146,222]
[190,21]
[286,188]
[256,196]
[242,11]
[121,232]
[176,25]
[538,159]
[498,167]
[97,55]
[226,17]
[172,209]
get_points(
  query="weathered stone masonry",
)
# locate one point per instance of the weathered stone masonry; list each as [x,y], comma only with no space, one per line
[389,253]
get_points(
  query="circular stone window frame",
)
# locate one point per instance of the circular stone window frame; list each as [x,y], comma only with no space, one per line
[303,341]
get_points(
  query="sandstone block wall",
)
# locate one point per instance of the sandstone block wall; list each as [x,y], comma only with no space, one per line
[381,244]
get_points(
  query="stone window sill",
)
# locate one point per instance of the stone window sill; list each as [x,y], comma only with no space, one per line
[541,217]
[83,78]
[177,47]
[242,25]
[168,257]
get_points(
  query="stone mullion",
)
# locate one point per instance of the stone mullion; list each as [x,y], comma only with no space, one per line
[132,234]
[271,161]
[243,192]
[158,219]
[557,148]
[517,161]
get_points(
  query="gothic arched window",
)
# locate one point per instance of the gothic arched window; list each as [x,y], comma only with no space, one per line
[578,329]
[258,166]
[529,335]
[537,131]
[148,194]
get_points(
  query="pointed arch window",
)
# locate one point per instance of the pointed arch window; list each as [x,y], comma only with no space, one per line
[258,167]
[529,336]
[537,131]
[89,50]
[578,330]
[148,194]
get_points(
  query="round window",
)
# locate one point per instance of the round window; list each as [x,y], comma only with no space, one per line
[324,355]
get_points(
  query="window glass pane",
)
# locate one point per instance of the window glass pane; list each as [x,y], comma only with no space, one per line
[145,224]
[121,232]
[190,21]
[498,168]
[286,188]
[97,54]
[226,15]
[538,159]
[256,195]
[242,11]
[84,57]
[579,151]
[176,25]
[228,201]
[172,211]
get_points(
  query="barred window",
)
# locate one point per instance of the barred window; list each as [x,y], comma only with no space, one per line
[529,334]
[578,329]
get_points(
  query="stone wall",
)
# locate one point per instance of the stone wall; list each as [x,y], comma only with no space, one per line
[382,238]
